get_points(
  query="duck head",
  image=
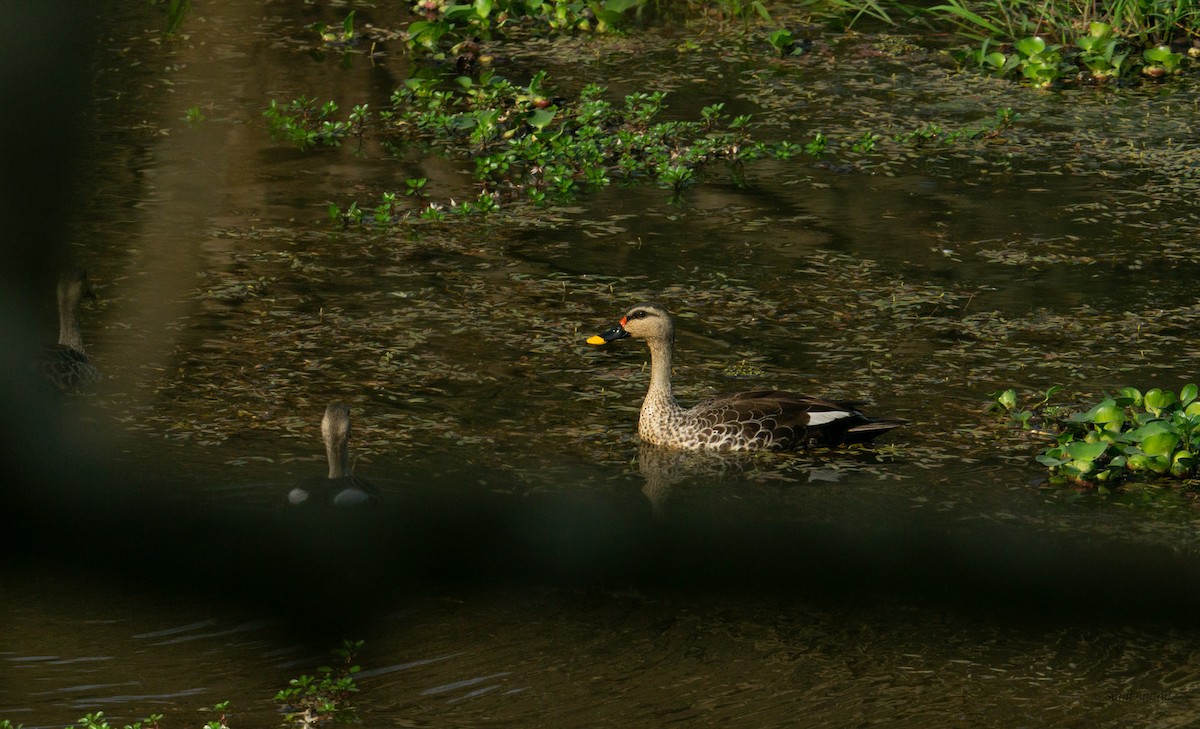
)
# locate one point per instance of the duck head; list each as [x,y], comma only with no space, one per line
[644,321]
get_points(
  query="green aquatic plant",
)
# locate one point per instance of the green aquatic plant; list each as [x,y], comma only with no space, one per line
[818,146]
[443,25]
[784,42]
[846,13]
[1114,31]
[1038,62]
[306,124]
[1145,22]
[311,700]
[1128,436]
[524,142]
[1161,61]
[97,720]
[335,35]
[176,10]
[1101,52]
[743,11]
[222,722]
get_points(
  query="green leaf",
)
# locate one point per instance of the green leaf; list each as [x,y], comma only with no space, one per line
[1134,395]
[1188,394]
[1159,444]
[1031,46]
[1157,400]
[483,8]
[1154,427]
[995,59]
[1107,412]
[1086,451]
[539,118]
[1050,461]
[970,17]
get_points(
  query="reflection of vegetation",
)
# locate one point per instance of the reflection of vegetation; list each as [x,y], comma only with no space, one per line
[1128,436]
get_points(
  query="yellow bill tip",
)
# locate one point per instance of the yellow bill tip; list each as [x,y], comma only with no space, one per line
[595,339]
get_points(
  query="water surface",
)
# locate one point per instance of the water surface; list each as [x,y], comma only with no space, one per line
[532,560]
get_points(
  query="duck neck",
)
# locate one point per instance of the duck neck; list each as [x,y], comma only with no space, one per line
[69,334]
[659,398]
[338,454]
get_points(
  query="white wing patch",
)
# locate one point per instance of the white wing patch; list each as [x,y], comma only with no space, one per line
[827,416]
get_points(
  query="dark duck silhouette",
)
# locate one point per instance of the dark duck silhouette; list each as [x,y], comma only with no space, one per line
[65,366]
[743,421]
[340,488]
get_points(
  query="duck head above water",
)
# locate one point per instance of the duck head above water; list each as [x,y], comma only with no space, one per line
[644,321]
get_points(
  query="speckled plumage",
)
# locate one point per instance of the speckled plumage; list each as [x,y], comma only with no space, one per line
[744,421]
[341,488]
[65,366]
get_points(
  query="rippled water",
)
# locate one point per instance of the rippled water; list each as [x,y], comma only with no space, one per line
[532,565]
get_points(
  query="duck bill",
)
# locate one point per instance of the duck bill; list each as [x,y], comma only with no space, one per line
[612,335]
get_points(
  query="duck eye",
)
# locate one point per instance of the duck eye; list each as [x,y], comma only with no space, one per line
[639,314]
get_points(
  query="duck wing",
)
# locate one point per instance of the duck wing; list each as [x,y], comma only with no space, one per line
[67,369]
[778,420]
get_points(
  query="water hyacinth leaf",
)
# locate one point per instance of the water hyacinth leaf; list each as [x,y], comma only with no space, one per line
[1157,400]
[1008,399]
[1160,464]
[540,118]
[1181,469]
[1050,461]
[1108,413]
[1086,451]
[1082,467]
[1138,462]
[1031,46]
[1133,394]
[1188,394]
[995,59]
[1160,444]
[1193,409]
[1150,429]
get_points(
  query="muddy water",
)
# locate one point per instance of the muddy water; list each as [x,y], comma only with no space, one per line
[530,559]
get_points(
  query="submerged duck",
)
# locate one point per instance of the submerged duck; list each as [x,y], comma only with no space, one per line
[341,487]
[65,365]
[744,421]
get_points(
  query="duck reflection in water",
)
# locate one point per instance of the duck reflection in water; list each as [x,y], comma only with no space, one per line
[340,488]
[666,469]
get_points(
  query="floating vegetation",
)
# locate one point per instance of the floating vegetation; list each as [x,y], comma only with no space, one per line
[525,142]
[1129,436]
